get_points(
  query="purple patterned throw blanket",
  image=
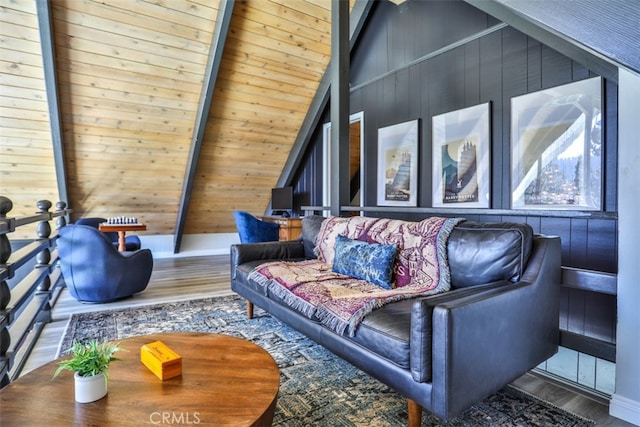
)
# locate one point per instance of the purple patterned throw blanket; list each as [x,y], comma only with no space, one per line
[341,302]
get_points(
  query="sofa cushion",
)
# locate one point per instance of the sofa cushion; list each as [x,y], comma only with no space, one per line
[488,252]
[372,262]
[385,331]
[310,230]
[242,273]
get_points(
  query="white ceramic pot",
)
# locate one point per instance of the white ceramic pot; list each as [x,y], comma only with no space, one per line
[90,389]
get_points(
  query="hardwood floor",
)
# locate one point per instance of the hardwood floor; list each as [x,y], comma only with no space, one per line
[177,279]
[173,279]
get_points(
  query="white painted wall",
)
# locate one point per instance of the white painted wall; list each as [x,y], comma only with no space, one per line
[625,402]
[192,244]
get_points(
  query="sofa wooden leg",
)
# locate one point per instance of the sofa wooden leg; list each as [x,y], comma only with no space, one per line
[249,310]
[415,413]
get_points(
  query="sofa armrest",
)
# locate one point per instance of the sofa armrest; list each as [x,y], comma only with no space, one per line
[285,250]
[483,342]
[421,338]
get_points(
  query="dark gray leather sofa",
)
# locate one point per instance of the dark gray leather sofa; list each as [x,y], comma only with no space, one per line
[448,351]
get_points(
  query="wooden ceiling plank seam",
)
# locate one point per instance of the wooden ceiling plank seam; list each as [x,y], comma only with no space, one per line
[28,147]
[190,10]
[260,130]
[13,68]
[35,95]
[149,110]
[318,10]
[23,121]
[358,17]
[24,82]
[267,101]
[18,31]
[27,133]
[276,54]
[296,81]
[19,13]
[118,42]
[45,24]
[230,153]
[163,98]
[239,140]
[128,112]
[64,41]
[23,58]
[154,10]
[256,110]
[130,17]
[243,90]
[286,10]
[72,132]
[20,45]
[40,149]
[218,41]
[123,124]
[272,72]
[188,81]
[286,85]
[35,114]
[95,91]
[134,32]
[289,35]
[295,31]
[288,47]
[142,142]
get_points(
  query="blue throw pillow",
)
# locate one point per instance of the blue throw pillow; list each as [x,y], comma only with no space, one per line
[372,262]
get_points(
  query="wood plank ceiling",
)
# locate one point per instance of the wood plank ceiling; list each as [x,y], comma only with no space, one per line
[130,78]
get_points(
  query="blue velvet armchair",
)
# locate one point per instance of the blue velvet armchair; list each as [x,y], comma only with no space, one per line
[132,242]
[254,230]
[94,270]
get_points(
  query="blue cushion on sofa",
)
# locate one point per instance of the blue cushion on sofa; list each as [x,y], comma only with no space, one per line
[372,262]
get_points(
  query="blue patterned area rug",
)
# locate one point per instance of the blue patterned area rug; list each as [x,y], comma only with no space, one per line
[317,388]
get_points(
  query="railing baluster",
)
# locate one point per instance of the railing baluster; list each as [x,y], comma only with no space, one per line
[43,258]
[22,293]
[5,293]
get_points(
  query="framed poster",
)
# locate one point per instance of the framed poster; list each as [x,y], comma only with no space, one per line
[461,163]
[398,165]
[556,147]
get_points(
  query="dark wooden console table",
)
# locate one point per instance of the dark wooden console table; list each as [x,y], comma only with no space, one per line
[225,381]
[290,228]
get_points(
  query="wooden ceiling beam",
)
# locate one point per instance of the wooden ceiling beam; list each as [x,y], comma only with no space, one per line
[218,40]
[339,71]
[45,26]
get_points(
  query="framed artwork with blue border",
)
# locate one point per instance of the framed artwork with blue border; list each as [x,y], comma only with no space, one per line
[398,164]
[461,158]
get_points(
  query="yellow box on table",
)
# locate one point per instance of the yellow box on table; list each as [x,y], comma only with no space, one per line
[161,360]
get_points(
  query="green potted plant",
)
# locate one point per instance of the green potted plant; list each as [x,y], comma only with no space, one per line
[90,363]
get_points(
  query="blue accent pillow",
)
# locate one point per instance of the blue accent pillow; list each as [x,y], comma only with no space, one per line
[372,262]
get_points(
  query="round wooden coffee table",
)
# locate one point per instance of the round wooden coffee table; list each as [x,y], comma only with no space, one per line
[225,381]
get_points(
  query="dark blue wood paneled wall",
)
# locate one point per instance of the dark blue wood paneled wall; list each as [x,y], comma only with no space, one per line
[390,86]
